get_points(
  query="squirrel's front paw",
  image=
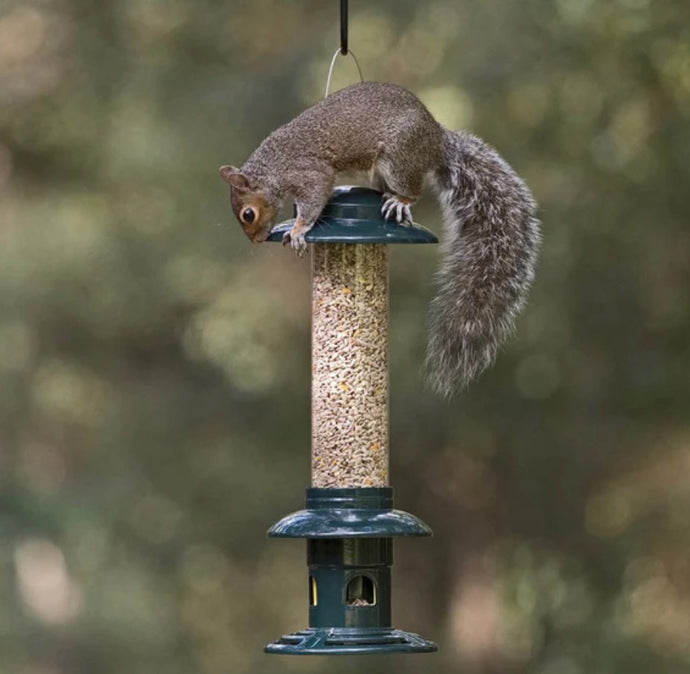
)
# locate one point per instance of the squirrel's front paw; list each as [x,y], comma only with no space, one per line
[295,237]
[397,207]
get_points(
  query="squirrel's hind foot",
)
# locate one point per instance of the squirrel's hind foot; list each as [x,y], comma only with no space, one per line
[397,207]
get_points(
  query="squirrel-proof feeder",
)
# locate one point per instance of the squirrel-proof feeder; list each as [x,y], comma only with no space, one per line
[349,521]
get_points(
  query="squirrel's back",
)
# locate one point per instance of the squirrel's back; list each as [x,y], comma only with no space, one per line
[349,128]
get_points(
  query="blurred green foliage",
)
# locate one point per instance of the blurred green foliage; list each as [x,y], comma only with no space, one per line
[155,368]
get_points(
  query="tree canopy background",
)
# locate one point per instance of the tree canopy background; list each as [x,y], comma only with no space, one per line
[154,406]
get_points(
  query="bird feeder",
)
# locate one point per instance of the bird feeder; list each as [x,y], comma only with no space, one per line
[349,521]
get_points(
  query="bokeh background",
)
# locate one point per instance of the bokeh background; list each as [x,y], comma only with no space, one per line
[154,365]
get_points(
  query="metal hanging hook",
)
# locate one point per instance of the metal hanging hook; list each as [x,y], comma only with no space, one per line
[344,49]
[330,70]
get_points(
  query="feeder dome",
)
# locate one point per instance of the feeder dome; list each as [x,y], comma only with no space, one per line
[353,215]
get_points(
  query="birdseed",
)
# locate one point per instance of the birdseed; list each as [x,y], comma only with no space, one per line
[349,365]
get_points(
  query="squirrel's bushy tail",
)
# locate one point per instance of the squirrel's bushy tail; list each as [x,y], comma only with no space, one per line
[488,259]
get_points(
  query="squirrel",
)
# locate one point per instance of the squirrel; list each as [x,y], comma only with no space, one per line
[492,234]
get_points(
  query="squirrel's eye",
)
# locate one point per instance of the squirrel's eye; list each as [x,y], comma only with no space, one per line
[248,215]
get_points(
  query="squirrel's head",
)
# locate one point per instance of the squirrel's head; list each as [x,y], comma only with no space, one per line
[250,203]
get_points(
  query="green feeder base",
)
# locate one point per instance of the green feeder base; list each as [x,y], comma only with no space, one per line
[350,641]
[349,534]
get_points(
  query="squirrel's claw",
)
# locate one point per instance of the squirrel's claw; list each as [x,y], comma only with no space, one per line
[296,241]
[393,206]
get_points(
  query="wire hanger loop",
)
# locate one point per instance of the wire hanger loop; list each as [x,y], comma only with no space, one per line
[330,70]
[344,50]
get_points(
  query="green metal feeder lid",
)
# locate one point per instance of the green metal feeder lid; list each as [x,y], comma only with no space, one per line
[353,215]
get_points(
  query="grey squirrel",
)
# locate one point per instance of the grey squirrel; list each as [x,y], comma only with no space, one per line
[492,233]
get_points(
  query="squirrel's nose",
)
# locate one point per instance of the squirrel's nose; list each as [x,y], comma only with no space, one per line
[261,235]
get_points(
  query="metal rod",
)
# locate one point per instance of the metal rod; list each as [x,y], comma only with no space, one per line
[343,27]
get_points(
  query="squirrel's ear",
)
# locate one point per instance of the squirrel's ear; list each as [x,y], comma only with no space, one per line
[234,177]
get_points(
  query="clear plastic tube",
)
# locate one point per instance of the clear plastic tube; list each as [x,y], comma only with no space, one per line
[349,365]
